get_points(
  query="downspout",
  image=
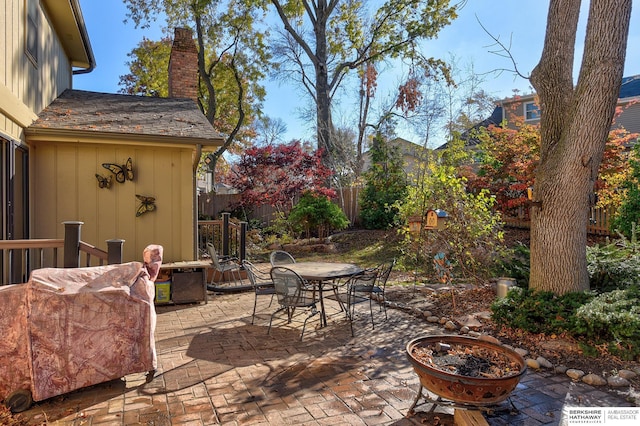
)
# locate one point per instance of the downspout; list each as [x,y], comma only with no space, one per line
[196,161]
[85,39]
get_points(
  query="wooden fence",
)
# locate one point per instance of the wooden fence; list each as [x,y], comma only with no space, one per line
[213,205]
[599,220]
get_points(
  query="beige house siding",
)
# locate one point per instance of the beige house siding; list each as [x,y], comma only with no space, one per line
[25,88]
[65,188]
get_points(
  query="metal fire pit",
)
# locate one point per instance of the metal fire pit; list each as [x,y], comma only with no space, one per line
[464,391]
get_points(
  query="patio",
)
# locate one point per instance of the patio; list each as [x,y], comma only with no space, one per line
[217,368]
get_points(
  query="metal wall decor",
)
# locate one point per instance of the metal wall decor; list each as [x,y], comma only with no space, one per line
[104,182]
[148,204]
[122,172]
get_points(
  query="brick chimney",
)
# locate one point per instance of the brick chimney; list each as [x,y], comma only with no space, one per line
[183,66]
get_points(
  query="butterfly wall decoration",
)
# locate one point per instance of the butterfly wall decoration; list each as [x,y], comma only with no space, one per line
[122,172]
[148,204]
[104,182]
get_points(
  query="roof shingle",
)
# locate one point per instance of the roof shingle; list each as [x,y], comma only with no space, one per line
[127,115]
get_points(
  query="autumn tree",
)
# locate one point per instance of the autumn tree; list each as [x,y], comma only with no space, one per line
[574,125]
[148,65]
[276,175]
[323,41]
[232,59]
[509,155]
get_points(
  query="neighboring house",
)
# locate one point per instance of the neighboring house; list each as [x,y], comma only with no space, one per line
[56,139]
[412,154]
[525,106]
[524,109]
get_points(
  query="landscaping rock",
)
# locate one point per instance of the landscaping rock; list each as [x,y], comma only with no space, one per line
[575,374]
[469,321]
[522,352]
[560,369]
[474,334]
[594,380]
[627,374]
[617,381]
[427,314]
[433,319]
[544,362]
[532,363]
[450,325]
[464,329]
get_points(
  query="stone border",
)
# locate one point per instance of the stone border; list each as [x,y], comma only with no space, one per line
[619,380]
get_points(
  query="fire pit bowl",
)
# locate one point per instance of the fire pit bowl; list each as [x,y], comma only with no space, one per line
[462,389]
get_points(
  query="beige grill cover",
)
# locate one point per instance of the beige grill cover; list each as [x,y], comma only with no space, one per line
[70,328]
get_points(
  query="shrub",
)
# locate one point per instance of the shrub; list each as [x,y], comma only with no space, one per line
[614,265]
[612,318]
[316,212]
[628,215]
[538,311]
[472,232]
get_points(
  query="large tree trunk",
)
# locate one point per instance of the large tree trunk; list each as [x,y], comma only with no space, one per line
[574,127]
[323,91]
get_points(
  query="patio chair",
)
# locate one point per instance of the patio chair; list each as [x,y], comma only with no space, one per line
[261,283]
[281,257]
[292,292]
[357,289]
[224,265]
[381,284]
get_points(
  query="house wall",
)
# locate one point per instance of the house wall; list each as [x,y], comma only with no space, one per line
[630,117]
[65,188]
[27,87]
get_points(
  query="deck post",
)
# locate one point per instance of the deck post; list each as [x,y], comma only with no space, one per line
[243,240]
[225,233]
[114,251]
[72,230]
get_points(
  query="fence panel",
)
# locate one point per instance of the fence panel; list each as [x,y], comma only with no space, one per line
[212,205]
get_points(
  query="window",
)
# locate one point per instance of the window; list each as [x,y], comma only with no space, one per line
[531,111]
[32,27]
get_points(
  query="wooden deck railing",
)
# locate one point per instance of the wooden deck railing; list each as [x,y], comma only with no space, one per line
[20,257]
[229,239]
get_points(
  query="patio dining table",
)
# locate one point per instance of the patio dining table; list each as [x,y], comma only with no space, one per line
[319,273]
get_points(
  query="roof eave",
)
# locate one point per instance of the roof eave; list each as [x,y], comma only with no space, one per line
[66,17]
[114,138]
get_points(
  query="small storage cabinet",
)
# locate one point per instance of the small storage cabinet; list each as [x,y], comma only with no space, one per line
[188,281]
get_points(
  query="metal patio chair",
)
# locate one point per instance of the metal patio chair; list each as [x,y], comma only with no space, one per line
[224,265]
[281,257]
[293,292]
[261,282]
[357,289]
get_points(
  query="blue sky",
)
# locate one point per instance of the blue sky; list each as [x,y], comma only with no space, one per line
[517,23]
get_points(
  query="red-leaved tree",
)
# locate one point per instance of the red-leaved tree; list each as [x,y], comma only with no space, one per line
[510,157]
[276,174]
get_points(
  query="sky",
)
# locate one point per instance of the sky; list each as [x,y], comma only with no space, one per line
[516,23]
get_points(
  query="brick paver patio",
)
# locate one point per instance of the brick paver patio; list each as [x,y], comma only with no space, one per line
[217,368]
